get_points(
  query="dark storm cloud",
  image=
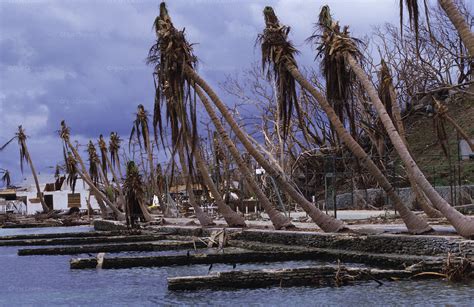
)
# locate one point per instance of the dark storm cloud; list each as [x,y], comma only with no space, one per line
[84,61]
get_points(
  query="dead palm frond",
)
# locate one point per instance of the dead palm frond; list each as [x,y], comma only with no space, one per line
[114,147]
[333,43]
[277,51]
[65,132]
[414,17]
[21,137]
[140,127]
[385,86]
[103,153]
[170,55]
[134,193]
[93,162]
[6,179]
[71,171]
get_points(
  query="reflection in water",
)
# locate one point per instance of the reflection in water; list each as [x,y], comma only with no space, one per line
[46,280]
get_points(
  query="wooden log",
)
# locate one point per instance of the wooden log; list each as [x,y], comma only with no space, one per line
[112,248]
[82,241]
[159,261]
[317,276]
[69,235]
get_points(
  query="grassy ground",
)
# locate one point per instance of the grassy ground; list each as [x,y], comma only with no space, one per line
[428,153]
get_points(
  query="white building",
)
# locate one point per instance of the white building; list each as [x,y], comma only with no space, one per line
[60,198]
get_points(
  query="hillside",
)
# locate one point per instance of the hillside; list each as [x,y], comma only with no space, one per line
[428,153]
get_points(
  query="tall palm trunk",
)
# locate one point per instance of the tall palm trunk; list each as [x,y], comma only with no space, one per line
[464,225]
[117,183]
[87,179]
[325,222]
[149,151]
[278,219]
[459,23]
[203,218]
[35,177]
[414,223]
[232,218]
[419,195]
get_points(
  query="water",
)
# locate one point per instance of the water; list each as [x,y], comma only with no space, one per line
[47,280]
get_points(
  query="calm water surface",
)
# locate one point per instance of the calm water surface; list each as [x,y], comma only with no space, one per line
[47,280]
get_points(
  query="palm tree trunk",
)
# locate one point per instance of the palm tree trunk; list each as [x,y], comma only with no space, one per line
[117,182]
[325,222]
[87,179]
[278,219]
[96,191]
[414,223]
[419,195]
[203,218]
[232,218]
[35,177]
[149,150]
[459,23]
[464,225]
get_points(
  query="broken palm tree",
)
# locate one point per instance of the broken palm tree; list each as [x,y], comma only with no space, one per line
[25,156]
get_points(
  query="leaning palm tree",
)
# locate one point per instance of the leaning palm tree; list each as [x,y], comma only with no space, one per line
[64,134]
[342,44]
[178,54]
[6,179]
[172,55]
[25,156]
[140,128]
[109,165]
[276,52]
[388,97]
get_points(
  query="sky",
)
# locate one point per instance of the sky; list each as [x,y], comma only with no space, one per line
[84,61]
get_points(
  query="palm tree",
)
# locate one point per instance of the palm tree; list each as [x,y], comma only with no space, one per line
[340,42]
[64,134]
[141,130]
[114,147]
[135,195]
[5,177]
[277,52]
[21,137]
[173,55]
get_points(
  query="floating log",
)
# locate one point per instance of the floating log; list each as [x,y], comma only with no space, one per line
[112,248]
[69,235]
[317,276]
[81,241]
[159,261]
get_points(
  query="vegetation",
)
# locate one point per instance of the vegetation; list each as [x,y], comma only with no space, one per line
[350,107]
